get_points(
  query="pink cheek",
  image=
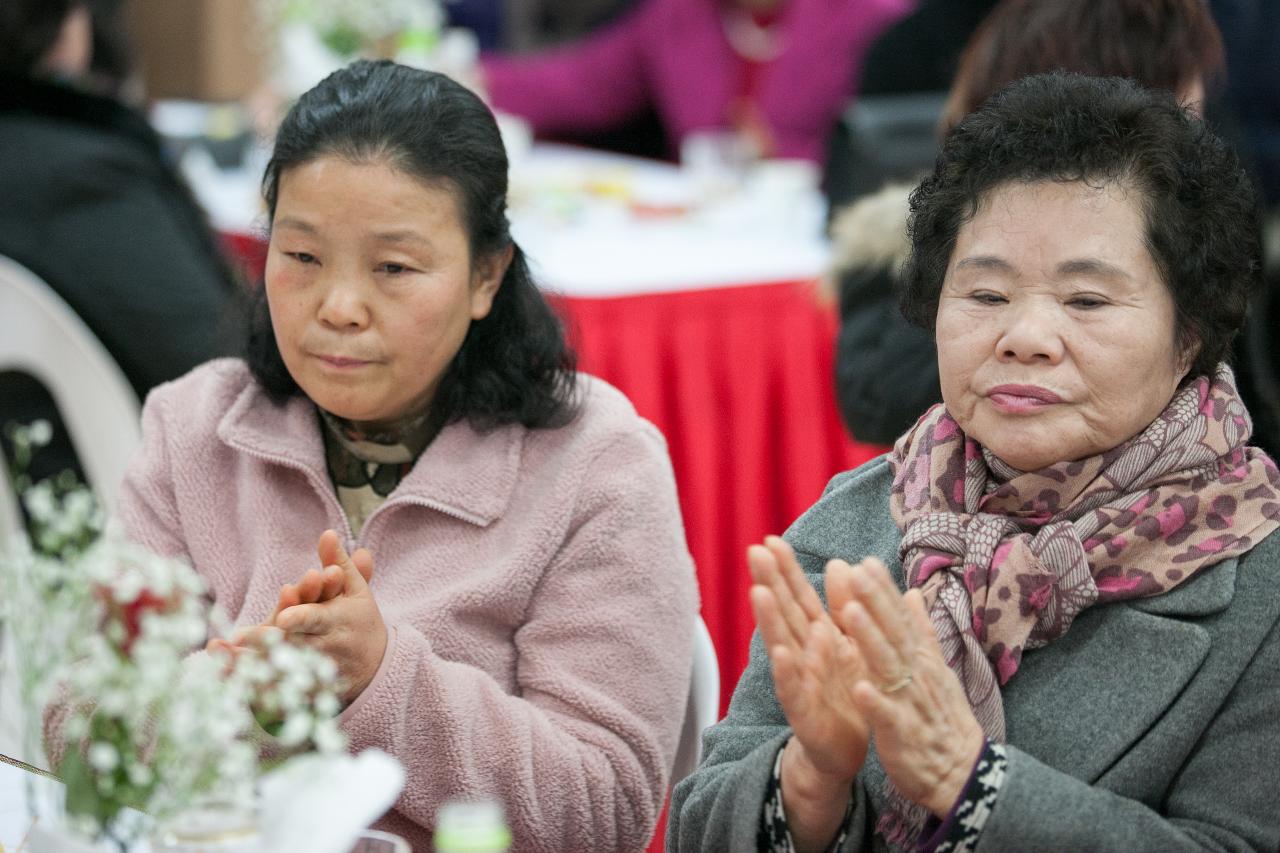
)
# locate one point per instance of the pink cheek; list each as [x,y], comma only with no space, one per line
[280,276]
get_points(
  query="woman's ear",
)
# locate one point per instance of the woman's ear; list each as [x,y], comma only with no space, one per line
[486,278]
[1187,357]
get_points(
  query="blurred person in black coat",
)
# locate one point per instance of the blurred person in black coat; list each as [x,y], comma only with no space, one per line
[89,203]
[1248,114]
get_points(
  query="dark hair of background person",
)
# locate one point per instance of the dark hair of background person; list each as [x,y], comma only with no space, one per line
[514,365]
[28,28]
[112,62]
[921,52]
[1164,44]
[1199,205]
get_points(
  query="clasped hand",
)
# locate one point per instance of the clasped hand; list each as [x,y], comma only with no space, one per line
[867,665]
[331,609]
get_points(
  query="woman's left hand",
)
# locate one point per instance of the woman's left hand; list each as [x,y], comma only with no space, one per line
[926,735]
[348,625]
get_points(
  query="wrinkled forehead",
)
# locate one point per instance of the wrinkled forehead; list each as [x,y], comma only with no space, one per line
[1122,187]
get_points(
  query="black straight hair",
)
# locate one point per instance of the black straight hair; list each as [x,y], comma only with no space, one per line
[514,365]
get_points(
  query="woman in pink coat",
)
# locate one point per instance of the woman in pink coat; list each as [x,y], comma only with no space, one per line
[778,71]
[502,576]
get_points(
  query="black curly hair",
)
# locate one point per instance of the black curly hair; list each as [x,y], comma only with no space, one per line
[1199,206]
[514,365]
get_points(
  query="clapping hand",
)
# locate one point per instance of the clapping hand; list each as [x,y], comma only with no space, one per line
[926,735]
[331,609]
[815,670]
[320,585]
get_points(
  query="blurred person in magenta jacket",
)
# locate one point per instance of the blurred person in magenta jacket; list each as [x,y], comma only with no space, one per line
[406,473]
[779,71]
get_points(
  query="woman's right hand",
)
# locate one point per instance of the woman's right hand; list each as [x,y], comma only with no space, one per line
[815,669]
[316,586]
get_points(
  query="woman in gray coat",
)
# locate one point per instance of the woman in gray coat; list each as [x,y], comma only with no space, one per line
[1086,654]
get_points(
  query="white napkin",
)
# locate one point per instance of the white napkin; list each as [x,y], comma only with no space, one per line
[321,804]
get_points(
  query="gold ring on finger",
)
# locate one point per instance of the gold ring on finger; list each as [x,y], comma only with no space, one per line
[897,685]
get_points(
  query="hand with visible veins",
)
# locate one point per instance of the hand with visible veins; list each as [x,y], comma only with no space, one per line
[815,670]
[927,737]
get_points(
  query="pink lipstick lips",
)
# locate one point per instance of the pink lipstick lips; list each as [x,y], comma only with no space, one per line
[1021,398]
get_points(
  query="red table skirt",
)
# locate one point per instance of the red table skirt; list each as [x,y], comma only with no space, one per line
[739,380]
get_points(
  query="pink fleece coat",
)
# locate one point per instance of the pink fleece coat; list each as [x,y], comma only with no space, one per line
[538,593]
[673,56]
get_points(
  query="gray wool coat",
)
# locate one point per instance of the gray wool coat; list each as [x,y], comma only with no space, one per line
[1152,725]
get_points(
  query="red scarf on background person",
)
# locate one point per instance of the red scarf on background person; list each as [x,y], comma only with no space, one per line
[1006,559]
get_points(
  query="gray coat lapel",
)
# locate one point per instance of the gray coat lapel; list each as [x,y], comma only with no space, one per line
[1072,704]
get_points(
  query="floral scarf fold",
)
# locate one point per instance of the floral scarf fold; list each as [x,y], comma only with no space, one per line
[1007,559]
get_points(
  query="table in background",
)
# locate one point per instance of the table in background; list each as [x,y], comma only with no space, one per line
[15,818]
[705,314]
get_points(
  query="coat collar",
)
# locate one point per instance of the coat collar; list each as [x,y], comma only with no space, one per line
[65,102]
[1209,592]
[1151,642]
[465,473]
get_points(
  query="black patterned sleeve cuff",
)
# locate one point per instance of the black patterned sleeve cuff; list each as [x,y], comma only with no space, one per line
[774,836]
[960,831]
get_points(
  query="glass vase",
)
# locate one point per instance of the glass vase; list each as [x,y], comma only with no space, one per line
[213,827]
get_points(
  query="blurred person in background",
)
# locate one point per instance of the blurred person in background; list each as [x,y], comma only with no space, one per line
[886,368]
[920,53]
[89,203]
[912,64]
[1248,112]
[1250,103]
[777,72]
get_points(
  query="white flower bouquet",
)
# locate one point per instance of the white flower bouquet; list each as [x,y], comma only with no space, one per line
[105,637]
[351,29]
[309,39]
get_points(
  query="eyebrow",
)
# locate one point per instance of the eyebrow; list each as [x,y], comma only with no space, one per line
[295,224]
[395,236]
[1092,267]
[1074,267]
[985,262]
[402,236]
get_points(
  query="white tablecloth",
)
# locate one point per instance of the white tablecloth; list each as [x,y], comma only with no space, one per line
[600,224]
[15,817]
[13,807]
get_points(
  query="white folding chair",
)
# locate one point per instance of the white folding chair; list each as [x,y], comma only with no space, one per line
[40,335]
[704,703]
[10,516]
